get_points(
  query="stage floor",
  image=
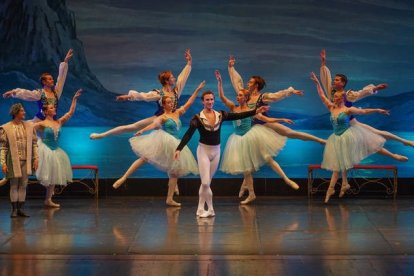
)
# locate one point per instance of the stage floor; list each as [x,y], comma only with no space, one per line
[275,235]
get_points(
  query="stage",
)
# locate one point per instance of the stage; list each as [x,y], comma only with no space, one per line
[275,235]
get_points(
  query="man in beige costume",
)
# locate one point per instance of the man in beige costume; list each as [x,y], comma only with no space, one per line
[18,156]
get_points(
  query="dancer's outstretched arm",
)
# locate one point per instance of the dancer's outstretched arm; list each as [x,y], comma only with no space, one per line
[235,78]
[325,75]
[223,98]
[366,111]
[266,119]
[321,93]
[63,72]
[271,97]
[72,108]
[191,100]
[185,73]
[156,124]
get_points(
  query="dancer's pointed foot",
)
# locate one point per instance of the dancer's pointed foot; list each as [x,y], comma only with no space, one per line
[49,203]
[400,157]
[249,199]
[119,182]
[3,181]
[171,202]
[243,189]
[207,214]
[409,143]
[292,184]
[95,136]
[330,192]
[176,191]
[344,188]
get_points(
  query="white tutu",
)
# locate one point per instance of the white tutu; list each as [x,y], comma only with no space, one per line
[249,152]
[356,143]
[159,147]
[54,166]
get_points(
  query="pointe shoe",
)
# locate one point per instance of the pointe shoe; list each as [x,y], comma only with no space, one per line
[330,192]
[95,136]
[243,189]
[118,183]
[344,189]
[51,204]
[249,199]
[173,203]
[401,158]
[292,184]
[176,191]
[200,212]
[3,181]
[207,214]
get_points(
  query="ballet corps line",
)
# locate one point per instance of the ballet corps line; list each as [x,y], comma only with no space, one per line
[256,141]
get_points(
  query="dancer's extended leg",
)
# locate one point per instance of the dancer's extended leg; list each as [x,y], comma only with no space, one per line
[125,128]
[138,163]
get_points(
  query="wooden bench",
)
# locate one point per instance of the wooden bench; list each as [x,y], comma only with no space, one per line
[91,173]
[390,182]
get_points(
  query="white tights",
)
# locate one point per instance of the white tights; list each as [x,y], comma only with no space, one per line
[208,158]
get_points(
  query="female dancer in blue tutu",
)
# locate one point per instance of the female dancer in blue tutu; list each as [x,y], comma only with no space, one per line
[330,86]
[349,144]
[171,87]
[54,166]
[250,147]
[158,147]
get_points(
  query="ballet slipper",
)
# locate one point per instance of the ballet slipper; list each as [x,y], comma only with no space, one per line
[176,191]
[249,199]
[119,182]
[292,184]
[207,214]
[49,203]
[330,192]
[171,202]
[344,188]
[95,136]
[200,212]
[400,157]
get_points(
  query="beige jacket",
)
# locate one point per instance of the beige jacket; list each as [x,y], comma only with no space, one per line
[9,152]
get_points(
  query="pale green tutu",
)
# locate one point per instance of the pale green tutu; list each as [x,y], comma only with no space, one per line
[344,151]
[159,147]
[249,152]
[54,166]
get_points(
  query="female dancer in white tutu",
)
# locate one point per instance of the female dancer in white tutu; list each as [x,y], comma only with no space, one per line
[54,165]
[158,147]
[349,144]
[338,84]
[249,148]
[169,88]
[208,123]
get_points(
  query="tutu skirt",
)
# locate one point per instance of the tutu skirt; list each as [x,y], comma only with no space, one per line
[54,166]
[158,148]
[249,152]
[344,151]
